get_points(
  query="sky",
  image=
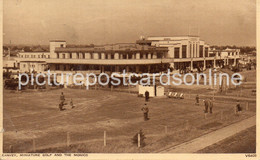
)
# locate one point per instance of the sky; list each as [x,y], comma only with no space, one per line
[218,22]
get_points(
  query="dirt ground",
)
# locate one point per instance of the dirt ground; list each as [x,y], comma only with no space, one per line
[35,115]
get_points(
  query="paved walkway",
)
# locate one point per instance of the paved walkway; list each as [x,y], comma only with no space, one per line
[212,138]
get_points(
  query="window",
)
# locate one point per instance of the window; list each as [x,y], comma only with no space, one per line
[57,67]
[159,55]
[206,52]
[194,55]
[112,56]
[63,56]
[70,55]
[184,51]
[130,56]
[190,50]
[201,51]
[177,52]
[58,55]
[61,45]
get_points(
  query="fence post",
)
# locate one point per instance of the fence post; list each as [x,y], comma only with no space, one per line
[138,140]
[34,148]
[105,138]
[68,139]
[165,129]
[187,125]
[247,106]
[128,88]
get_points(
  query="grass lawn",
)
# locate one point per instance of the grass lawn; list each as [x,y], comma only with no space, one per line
[35,115]
[243,142]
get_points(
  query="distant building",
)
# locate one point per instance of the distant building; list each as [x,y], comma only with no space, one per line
[228,56]
[33,61]
[10,63]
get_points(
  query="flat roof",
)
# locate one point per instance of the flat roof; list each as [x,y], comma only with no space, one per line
[116,47]
[56,40]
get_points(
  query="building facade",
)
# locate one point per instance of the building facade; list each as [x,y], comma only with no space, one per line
[150,55]
[190,51]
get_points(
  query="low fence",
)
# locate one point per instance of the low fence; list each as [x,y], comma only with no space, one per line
[205,121]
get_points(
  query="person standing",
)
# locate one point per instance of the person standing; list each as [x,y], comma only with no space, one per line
[71,104]
[206,104]
[197,100]
[238,107]
[210,106]
[146,96]
[145,110]
[62,100]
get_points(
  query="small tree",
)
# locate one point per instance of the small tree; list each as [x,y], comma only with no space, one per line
[142,137]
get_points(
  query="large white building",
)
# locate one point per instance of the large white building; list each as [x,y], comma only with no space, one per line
[152,54]
[190,51]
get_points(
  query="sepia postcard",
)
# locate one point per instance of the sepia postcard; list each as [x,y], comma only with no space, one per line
[129,79]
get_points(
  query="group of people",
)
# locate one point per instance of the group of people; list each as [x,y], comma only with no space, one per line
[62,102]
[208,103]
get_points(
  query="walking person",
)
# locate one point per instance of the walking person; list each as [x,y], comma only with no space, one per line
[145,110]
[146,96]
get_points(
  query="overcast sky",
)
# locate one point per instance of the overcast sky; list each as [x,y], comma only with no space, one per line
[218,22]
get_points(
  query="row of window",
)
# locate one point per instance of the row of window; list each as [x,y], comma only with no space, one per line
[184,51]
[109,56]
[232,53]
[229,54]
[34,56]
